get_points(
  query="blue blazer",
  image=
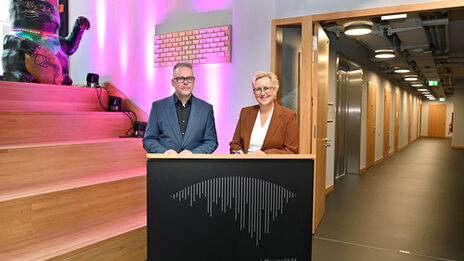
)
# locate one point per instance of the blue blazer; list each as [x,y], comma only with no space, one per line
[163,131]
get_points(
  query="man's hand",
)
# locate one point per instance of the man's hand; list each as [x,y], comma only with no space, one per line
[259,152]
[186,152]
[171,151]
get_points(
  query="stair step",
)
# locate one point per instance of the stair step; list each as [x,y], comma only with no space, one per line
[18,96]
[69,183]
[20,127]
[24,166]
[85,240]
[52,212]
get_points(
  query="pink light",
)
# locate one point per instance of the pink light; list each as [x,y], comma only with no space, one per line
[212,85]
[101,23]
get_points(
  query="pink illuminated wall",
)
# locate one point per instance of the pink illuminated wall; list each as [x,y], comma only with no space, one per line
[120,48]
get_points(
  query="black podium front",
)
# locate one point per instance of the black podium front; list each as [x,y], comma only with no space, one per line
[229,207]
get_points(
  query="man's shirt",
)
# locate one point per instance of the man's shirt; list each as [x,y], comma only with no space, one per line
[183,113]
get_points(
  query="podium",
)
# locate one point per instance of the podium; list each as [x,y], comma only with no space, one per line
[229,207]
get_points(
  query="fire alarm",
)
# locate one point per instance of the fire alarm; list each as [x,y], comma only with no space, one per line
[61,8]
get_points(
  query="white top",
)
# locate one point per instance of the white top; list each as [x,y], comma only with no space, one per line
[259,133]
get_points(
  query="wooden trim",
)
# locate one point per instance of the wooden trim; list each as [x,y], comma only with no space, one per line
[329,189]
[229,156]
[405,8]
[391,153]
[402,146]
[458,147]
[288,21]
[378,161]
[306,117]
[362,170]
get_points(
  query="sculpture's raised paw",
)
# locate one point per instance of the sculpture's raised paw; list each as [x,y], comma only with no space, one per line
[83,22]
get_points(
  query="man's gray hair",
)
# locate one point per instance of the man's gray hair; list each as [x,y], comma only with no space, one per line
[182,64]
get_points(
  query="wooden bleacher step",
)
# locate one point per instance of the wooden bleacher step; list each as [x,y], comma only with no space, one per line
[50,213]
[20,127]
[116,237]
[26,166]
[17,96]
[70,188]
[61,184]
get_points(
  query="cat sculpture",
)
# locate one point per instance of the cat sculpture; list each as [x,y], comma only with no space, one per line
[33,51]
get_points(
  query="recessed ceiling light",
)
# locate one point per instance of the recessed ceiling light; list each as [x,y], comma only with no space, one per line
[392,17]
[358,29]
[422,90]
[417,85]
[384,54]
[410,78]
[402,70]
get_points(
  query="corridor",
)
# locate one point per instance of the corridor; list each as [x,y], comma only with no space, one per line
[409,207]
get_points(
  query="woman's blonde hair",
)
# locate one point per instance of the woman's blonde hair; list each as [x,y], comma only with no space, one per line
[270,75]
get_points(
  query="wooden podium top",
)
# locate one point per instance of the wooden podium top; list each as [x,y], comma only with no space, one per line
[229,156]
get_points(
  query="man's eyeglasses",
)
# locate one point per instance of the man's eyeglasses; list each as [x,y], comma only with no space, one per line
[266,90]
[181,79]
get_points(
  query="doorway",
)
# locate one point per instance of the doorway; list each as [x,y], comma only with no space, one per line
[437,120]
[348,117]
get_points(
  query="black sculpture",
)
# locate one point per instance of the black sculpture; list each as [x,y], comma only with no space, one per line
[33,51]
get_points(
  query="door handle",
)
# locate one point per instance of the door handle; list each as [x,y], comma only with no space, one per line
[327,145]
[326,139]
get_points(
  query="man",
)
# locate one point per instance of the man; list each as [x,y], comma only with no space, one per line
[181,123]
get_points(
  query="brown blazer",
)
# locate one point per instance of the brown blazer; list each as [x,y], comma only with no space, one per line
[281,137]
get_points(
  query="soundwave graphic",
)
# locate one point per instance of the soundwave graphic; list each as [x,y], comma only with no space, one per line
[255,202]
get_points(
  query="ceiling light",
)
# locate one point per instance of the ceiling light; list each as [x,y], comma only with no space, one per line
[410,78]
[384,54]
[417,85]
[422,90]
[358,29]
[402,70]
[392,17]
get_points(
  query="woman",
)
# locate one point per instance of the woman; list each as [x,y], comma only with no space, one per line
[266,128]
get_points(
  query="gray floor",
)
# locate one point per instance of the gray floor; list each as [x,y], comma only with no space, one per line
[409,207]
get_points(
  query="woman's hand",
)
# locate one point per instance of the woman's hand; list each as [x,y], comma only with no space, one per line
[259,152]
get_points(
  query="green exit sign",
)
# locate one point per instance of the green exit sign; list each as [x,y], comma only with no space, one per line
[433,83]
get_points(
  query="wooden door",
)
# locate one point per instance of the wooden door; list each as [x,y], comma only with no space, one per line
[321,84]
[386,124]
[437,120]
[410,121]
[397,121]
[371,123]
[419,120]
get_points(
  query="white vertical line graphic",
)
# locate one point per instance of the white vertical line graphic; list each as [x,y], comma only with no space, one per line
[254,201]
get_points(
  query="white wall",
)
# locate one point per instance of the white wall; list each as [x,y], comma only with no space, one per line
[119,47]
[458,130]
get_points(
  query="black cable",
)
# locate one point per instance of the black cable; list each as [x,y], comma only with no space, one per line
[98,90]
[130,114]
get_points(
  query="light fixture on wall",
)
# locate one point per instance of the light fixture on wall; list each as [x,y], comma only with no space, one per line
[411,78]
[357,29]
[402,70]
[384,54]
